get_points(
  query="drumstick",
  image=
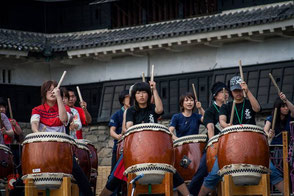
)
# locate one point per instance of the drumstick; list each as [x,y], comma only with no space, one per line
[194,90]
[232,113]
[241,74]
[80,95]
[143,77]
[61,79]
[273,124]
[152,73]
[274,82]
[224,92]
[9,107]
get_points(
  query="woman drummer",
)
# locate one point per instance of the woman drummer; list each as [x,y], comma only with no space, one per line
[285,114]
[52,116]
[187,123]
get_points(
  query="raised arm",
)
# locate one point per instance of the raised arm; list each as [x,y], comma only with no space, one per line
[157,100]
[61,109]
[253,101]
[83,105]
[289,104]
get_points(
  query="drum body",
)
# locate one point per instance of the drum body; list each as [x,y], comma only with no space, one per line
[47,158]
[6,162]
[188,152]
[211,152]
[243,153]
[82,153]
[148,149]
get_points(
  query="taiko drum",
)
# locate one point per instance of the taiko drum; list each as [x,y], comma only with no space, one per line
[211,152]
[148,149]
[6,162]
[188,152]
[82,154]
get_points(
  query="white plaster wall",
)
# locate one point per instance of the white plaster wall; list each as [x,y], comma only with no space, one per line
[186,59]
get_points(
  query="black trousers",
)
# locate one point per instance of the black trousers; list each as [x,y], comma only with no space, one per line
[81,179]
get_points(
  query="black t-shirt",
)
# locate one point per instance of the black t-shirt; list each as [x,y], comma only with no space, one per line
[212,116]
[142,115]
[248,113]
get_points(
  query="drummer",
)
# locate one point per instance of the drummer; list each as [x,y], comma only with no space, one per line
[16,130]
[187,123]
[220,94]
[6,128]
[75,121]
[285,114]
[52,116]
[85,116]
[244,114]
[116,121]
[141,112]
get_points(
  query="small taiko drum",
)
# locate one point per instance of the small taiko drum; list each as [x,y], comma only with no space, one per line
[188,152]
[82,153]
[6,162]
[211,152]
[119,148]
[148,149]
[243,152]
[94,162]
[47,158]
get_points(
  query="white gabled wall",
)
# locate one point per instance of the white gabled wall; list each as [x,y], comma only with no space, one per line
[182,59]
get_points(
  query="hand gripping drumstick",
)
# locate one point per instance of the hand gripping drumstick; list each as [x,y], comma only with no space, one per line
[241,74]
[143,77]
[273,124]
[195,94]
[9,107]
[61,79]
[232,113]
[274,82]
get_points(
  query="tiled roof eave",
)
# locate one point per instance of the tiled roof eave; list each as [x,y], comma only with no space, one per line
[199,38]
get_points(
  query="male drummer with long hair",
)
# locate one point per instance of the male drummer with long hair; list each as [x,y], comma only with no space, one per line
[220,94]
[52,116]
[244,114]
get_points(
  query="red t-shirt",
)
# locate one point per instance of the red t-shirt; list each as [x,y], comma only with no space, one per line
[7,138]
[49,117]
[79,133]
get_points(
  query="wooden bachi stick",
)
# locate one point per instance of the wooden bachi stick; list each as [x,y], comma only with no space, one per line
[241,74]
[143,77]
[224,92]
[194,90]
[232,113]
[44,129]
[61,79]
[79,93]
[9,107]
[152,73]
[274,82]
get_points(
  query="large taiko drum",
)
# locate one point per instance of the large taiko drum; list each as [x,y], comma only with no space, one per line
[243,153]
[47,158]
[148,149]
[119,148]
[6,162]
[82,154]
[211,152]
[188,152]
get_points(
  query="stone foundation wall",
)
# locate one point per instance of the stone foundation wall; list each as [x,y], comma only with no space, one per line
[99,135]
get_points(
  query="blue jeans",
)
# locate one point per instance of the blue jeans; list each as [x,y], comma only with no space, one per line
[197,180]
[213,178]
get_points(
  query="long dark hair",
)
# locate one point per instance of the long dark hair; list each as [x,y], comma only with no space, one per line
[182,99]
[141,86]
[45,87]
[278,104]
